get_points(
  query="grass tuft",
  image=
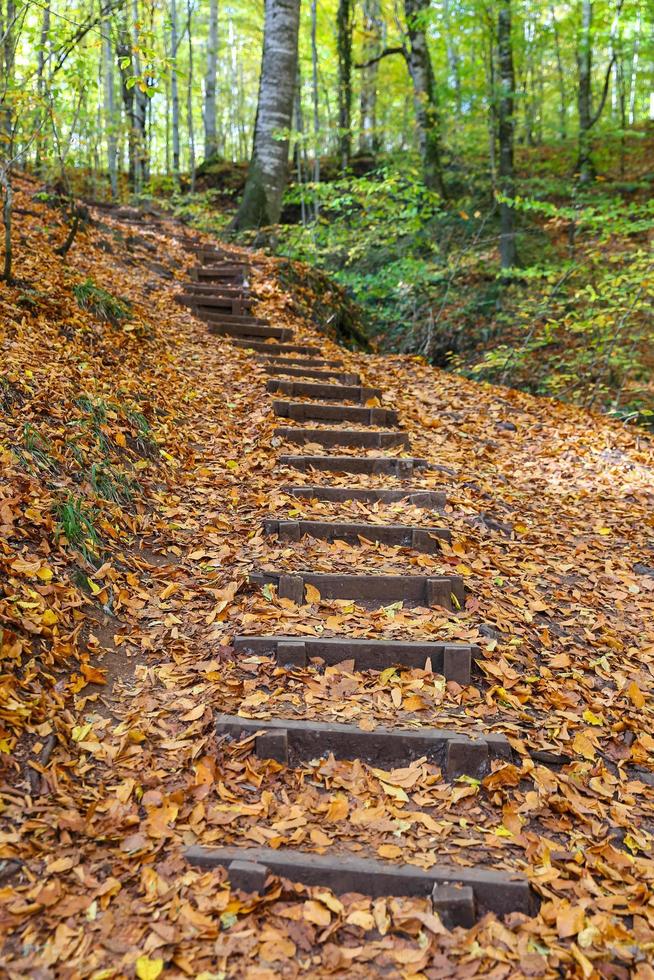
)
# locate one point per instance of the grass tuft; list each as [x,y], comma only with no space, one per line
[101,303]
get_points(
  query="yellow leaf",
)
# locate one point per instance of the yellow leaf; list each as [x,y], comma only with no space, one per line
[502,832]
[147,969]
[520,528]
[592,719]
[389,851]
[583,745]
[316,913]
[44,573]
[395,791]
[49,618]
[120,439]
[311,593]
[80,732]
[636,695]
[604,530]
[93,586]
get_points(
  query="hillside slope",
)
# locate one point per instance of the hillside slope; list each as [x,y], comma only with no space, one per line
[138,463]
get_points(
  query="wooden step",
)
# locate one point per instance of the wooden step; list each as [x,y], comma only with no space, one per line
[216,289]
[459,895]
[295,742]
[345,377]
[373,465]
[278,348]
[398,535]
[327,412]
[226,328]
[222,316]
[211,276]
[453,660]
[308,389]
[372,591]
[427,499]
[307,362]
[368,439]
[214,303]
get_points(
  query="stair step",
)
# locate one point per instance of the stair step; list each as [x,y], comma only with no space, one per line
[400,535]
[427,499]
[225,328]
[459,895]
[307,389]
[309,362]
[345,377]
[371,590]
[343,437]
[453,660]
[327,412]
[278,348]
[210,276]
[214,303]
[294,742]
[374,465]
[216,289]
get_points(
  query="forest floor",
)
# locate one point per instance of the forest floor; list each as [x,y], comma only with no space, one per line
[138,462]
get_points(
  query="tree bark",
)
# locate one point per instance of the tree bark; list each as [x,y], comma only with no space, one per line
[563,103]
[174,89]
[372,27]
[453,58]
[110,109]
[210,139]
[344,51]
[506,133]
[585,165]
[424,94]
[189,98]
[268,171]
[40,86]
[5,183]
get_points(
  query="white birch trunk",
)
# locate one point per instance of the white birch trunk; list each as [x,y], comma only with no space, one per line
[262,198]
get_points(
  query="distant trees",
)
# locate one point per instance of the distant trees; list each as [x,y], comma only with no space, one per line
[505,132]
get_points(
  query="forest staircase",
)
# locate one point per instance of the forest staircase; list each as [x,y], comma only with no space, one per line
[333,399]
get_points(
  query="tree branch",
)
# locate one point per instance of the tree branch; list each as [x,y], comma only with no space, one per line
[605,92]
[385,53]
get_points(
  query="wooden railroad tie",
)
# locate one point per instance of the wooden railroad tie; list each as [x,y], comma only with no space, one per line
[328,412]
[399,467]
[251,327]
[308,389]
[345,377]
[368,439]
[401,535]
[455,661]
[371,591]
[276,349]
[425,499]
[307,362]
[459,895]
[292,742]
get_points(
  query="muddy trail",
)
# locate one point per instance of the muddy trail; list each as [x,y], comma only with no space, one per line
[357,681]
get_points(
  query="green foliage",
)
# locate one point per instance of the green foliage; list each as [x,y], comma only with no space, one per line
[101,303]
[75,522]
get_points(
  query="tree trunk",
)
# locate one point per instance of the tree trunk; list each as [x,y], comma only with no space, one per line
[110,109]
[563,102]
[210,141]
[506,130]
[140,108]
[453,58]
[7,62]
[40,87]
[585,165]
[344,50]
[316,105]
[5,183]
[268,172]
[189,99]
[174,89]
[372,27]
[424,94]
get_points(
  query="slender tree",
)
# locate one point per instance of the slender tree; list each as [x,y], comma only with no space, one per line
[110,108]
[344,51]
[372,28]
[425,98]
[209,112]
[268,171]
[174,89]
[506,131]
[587,117]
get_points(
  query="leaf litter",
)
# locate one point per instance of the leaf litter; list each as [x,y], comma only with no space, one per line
[130,513]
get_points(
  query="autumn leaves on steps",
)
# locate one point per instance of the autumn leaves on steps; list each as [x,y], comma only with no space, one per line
[219,295]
